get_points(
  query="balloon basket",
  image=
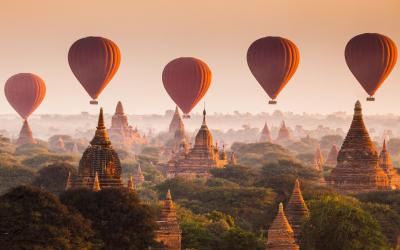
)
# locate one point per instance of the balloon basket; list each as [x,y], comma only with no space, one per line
[370,98]
[94,102]
[186,116]
[272,102]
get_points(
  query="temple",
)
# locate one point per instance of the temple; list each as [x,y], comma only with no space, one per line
[332,156]
[121,133]
[197,161]
[168,232]
[265,134]
[385,162]
[176,133]
[280,233]
[283,134]
[357,168]
[296,210]
[25,135]
[318,160]
[138,177]
[100,165]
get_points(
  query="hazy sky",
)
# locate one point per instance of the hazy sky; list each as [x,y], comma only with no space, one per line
[36,36]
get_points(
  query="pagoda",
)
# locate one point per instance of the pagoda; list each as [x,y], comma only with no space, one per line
[177,135]
[357,168]
[25,135]
[283,134]
[318,159]
[168,232]
[332,156]
[196,162]
[138,177]
[296,210]
[176,122]
[280,233]
[265,134]
[100,165]
[121,133]
[385,162]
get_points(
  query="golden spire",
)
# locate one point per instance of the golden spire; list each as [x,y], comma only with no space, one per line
[280,233]
[168,200]
[131,184]
[204,116]
[96,183]
[101,136]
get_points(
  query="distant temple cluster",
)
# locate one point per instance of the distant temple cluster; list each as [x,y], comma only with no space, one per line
[197,161]
[359,168]
[283,134]
[121,132]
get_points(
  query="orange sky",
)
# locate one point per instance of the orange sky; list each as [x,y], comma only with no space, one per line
[36,36]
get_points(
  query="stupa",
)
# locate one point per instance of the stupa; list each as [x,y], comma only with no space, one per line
[385,162]
[168,232]
[196,162]
[177,135]
[121,133]
[25,135]
[265,134]
[332,156]
[357,168]
[283,134]
[280,233]
[318,159]
[99,163]
[296,210]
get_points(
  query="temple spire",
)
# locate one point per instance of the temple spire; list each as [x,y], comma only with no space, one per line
[25,135]
[204,116]
[101,136]
[131,184]
[119,110]
[96,183]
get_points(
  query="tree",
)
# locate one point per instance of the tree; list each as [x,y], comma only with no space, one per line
[11,177]
[337,222]
[244,176]
[35,219]
[54,177]
[118,218]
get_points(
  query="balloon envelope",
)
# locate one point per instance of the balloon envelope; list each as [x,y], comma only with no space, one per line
[273,61]
[94,61]
[371,57]
[25,92]
[186,80]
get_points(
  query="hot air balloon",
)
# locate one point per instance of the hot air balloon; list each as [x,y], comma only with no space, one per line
[94,61]
[25,92]
[186,80]
[371,57]
[273,61]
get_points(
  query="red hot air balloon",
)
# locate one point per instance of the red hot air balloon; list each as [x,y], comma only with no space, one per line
[273,61]
[186,80]
[94,61]
[371,57]
[25,92]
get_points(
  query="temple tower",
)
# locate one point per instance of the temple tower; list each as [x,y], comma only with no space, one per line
[332,156]
[357,168]
[176,122]
[138,176]
[168,231]
[25,135]
[280,233]
[385,162]
[283,134]
[318,159]
[265,134]
[296,210]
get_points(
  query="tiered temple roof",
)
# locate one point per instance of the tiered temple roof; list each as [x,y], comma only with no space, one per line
[318,159]
[99,160]
[168,232]
[197,161]
[284,133]
[121,132]
[280,233]
[332,156]
[385,162]
[265,134]
[357,168]
[25,135]
[296,210]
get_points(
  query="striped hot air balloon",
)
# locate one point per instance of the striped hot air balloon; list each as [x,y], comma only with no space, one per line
[25,92]
[273,61]
[94,61]
[186,80]
[371,57]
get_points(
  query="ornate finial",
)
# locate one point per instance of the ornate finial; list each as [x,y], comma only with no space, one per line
[176,110]
[100,124]
[139,169]
[168,196]
[119,109]
[96,183]
[384,145]
[131,184]
[297,184]
[280,210]
[204,114]
[357,108]
[101,136]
